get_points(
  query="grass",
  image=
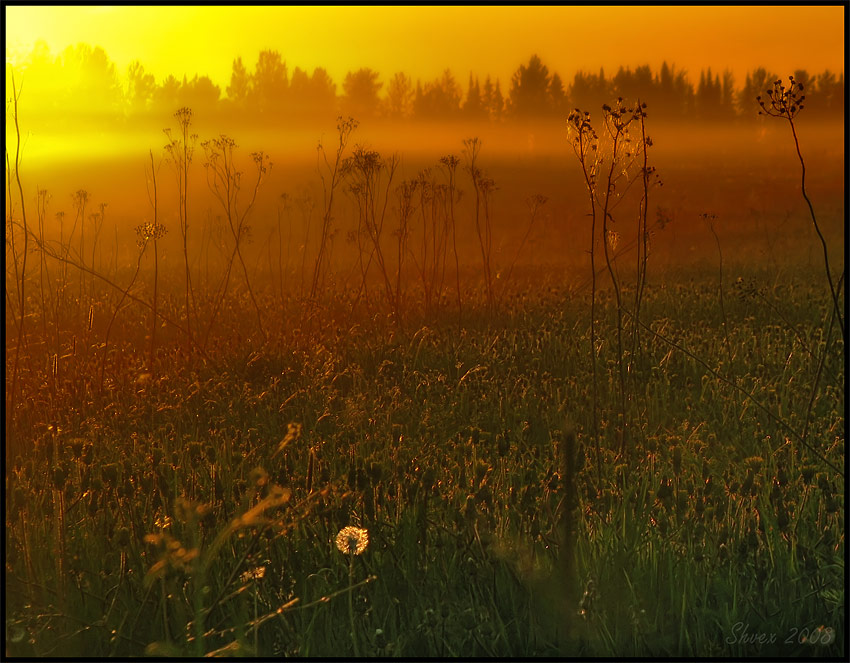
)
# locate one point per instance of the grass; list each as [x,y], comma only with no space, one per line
[444,444]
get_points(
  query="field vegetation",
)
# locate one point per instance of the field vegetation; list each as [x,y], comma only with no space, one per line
[637,451]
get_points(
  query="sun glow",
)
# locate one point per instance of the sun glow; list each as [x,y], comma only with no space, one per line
[423,41]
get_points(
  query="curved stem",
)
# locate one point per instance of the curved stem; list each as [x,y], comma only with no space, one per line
[832,289]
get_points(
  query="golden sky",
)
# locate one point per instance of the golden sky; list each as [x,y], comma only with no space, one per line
[423,41]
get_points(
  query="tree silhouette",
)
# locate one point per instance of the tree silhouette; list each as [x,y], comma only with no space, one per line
[755,84]
[299,93]
[166,96]
[558,96]
[829,94]
[709,96]
[311,99]
[665,84]
[487,95]
[683,95]
[439,99]
[140,88]
[727,96]
[200,92]
[529,89]
[90,82]
[633,85]
[240,84]
[589,91]
[361,93]
[269,83]
[400,96]
[473,105]
[497,103]
[83,78]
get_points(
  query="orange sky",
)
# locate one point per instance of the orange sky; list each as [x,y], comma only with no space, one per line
[423,40]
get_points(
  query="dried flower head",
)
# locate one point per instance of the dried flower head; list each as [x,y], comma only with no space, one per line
[450,161]
[782,101]
[352,540]
[147,231]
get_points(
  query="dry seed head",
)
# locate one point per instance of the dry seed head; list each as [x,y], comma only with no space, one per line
[352,540]
[148,230]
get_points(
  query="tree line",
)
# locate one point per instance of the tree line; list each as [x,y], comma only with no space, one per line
[83,85]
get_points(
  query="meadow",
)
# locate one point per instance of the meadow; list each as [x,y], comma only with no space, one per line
[539,457]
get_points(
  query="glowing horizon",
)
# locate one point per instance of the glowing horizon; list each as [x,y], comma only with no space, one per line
[424,41]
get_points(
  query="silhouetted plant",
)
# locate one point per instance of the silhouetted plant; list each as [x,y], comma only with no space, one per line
[425,187]
[344,128]
[450,164]
[617,157]
[306,205]
[43,272]
[147,232]
[97,220]
[617,121]
[649,177]
[224,180]
[585,144]
[435,216]
[405,207]
[364,170]
[180,151]
[484,187]
[63,284]
[22,277]
[80,200]
[786,103]
[144,236]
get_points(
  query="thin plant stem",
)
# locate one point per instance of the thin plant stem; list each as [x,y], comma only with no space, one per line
[351,605]
[832,288]
[23,273]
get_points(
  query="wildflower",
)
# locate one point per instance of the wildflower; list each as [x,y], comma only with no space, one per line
[352,540]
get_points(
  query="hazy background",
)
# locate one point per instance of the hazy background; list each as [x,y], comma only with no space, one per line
[98,85]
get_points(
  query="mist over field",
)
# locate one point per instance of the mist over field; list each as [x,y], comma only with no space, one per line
[746,175]
[86,126]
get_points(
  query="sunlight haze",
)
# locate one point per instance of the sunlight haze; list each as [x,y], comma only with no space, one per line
[424,41]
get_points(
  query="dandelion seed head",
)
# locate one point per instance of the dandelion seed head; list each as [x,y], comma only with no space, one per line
[352,540]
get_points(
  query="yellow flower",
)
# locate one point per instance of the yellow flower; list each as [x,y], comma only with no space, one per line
[352,540]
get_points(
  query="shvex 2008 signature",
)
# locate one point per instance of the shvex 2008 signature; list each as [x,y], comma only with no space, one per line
[741,635]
